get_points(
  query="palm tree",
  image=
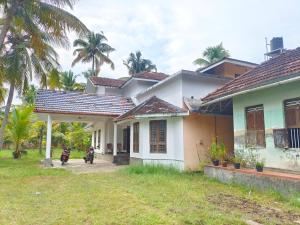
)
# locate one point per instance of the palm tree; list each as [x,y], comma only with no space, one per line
[54,80]
[68,80]
[94,50]
[19,126]
[41,20]
[29,95]
[211,55]
[136,64]
[87,74]
[19,64]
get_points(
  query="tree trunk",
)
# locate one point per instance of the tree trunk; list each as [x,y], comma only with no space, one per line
[93,65]
[7,110]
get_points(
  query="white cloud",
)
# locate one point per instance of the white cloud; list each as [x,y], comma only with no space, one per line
[173,33]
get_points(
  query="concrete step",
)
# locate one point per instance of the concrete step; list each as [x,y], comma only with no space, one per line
[121,159]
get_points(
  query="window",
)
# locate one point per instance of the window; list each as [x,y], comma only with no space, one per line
[255,136]
[158,136]
[136,138]
[99,138]
[292,120]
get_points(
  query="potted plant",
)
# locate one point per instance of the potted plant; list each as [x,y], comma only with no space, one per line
[214,153]
[237,162]
[223,154]
[259,166]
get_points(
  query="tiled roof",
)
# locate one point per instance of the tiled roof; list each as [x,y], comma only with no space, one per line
[151,76]
[281,67]
[48,101]
[151,106]
[104,81]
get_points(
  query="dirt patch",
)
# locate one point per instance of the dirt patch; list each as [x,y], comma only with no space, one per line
[253,210]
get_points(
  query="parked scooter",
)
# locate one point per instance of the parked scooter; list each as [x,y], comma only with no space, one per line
[65,155]
[89,156]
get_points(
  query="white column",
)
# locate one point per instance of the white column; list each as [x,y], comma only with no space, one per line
[92,142]
[115,138]
[102,143]
[48,141]
[131,138]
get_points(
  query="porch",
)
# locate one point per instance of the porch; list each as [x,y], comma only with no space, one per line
[110,141]
[97,111]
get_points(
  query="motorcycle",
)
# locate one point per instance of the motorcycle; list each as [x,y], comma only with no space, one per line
[89,156]
[65,155]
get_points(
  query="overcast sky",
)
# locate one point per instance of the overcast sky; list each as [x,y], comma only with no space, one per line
[172,33]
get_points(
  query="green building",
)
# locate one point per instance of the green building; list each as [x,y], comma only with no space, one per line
[265,105]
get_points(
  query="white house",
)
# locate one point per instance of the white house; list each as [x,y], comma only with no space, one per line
[150,117]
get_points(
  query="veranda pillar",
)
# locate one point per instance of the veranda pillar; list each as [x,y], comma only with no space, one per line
[48,161]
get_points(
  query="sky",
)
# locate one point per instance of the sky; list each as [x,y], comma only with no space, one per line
[173,33]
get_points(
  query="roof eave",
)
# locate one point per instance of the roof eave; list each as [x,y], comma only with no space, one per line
[252,89]
[75,113]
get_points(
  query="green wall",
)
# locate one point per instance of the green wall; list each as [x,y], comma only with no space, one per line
[272,99]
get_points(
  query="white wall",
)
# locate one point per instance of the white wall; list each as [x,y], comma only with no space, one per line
[133,87]
[90,88]
[113,91]
[199,87]
[174,155]
[183,85]
[170,92]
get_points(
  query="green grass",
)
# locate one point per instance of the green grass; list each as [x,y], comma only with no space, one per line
[30,194]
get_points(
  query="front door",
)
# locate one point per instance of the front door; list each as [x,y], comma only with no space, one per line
[126,139]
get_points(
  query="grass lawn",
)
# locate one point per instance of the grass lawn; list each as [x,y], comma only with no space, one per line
[30,194]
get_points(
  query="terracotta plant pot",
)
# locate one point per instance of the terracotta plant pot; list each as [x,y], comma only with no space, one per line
[216,162]
[224,164]
[259,168]
[237,165]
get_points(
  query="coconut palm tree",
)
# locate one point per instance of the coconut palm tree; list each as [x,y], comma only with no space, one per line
[68,80]
[87,74]
[211,55]
[19,125]
[19,64]
[40,19]
[93,49]
[136,64]
[29,95]
[53,82]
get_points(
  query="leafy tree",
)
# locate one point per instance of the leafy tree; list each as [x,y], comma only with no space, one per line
[136,64]
[19,126]
[54,80]
[211,55]
[37,133]
[68,80]
[93,49]
[40,23]
[77,137]
[41,20]
[29,95]
[19,64]
[87,74]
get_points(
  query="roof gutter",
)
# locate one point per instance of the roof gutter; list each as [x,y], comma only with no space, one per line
[252,90]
